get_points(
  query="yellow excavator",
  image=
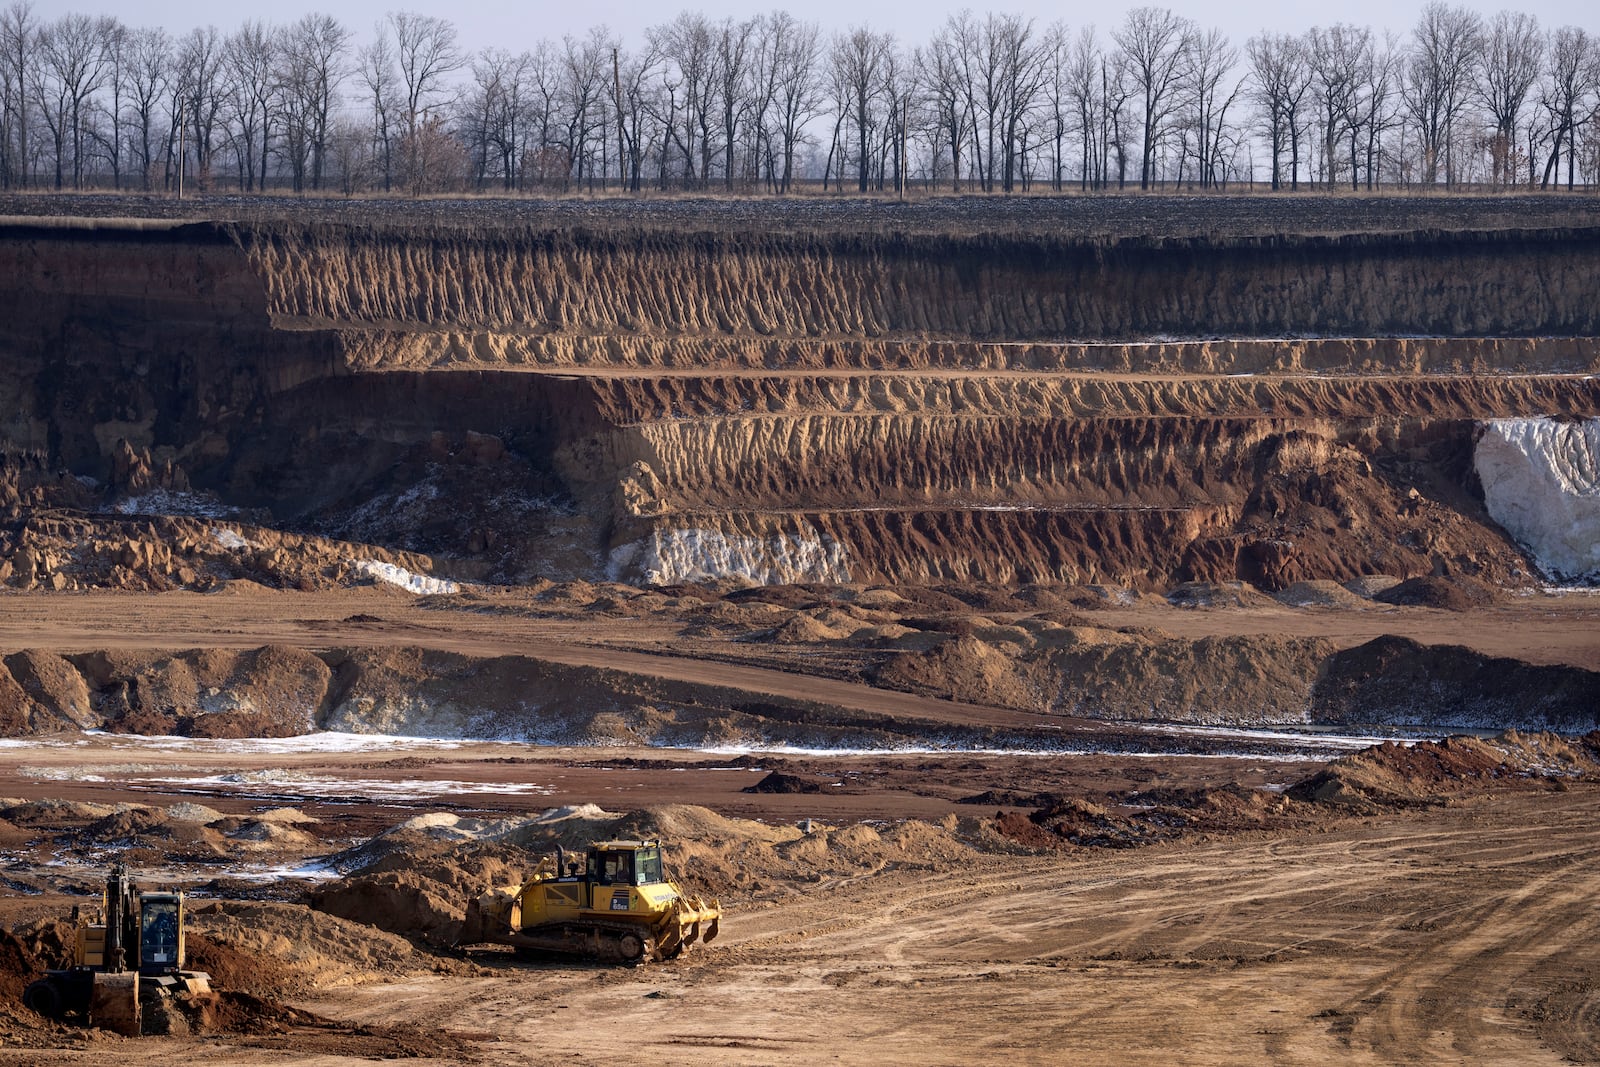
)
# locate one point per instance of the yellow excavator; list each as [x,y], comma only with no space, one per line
[129,957]
[614,904]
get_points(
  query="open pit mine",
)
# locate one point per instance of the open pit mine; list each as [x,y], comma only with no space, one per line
[1118,630]
[451,405]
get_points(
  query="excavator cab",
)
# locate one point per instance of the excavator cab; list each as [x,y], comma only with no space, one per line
[160,933]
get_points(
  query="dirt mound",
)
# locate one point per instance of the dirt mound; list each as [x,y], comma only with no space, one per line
[237,972]
[231,1011]
[964,667]
[53,942]
[1007,798]
[1397,681]
[18,967]
[1424,773]
[401,902]
[1217,595]
[803,629]
[778,782]
[1458,593]
[320,950]
[1368,586]
[1317,594]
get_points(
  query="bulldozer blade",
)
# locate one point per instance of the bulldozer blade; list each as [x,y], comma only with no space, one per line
[471,932]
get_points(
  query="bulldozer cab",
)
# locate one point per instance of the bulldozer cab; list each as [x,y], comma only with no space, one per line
[626,863]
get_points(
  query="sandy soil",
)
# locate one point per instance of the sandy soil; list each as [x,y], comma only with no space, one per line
[1432,935]
[1448,937]
[1535,628]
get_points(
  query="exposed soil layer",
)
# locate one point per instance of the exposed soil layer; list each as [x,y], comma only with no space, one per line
[485,398]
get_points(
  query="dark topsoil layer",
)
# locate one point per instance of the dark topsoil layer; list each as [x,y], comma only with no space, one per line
[1071,216]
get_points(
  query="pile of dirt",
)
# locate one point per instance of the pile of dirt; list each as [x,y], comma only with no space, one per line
[1457,593]
[1429,772]
[778,782]
[52,942]
[232,1011]
[1318,594]
[256,974]
[1217,595]
[317,949]
[1368,586]
[1403,682]
[402,902]
[1007,798]
[18,967]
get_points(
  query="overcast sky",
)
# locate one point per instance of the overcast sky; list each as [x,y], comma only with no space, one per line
[515,25]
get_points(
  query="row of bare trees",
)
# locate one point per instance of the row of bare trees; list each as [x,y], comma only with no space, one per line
[993,102]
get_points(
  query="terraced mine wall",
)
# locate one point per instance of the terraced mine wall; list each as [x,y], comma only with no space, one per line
[668,406]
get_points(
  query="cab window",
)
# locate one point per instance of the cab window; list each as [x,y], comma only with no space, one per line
[648,866]
[158,935]
[616,867]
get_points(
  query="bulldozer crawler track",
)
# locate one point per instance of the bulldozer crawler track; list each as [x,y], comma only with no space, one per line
[607,942]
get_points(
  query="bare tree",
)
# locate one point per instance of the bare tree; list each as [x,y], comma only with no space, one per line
[860,61]
[586,79]
[1339,59]
[791,52]
[947,91]
[425,53]
[146,78]
[1002,69]
[1377,109]
[1024,68]
[1440,71]
[688,47]
[313,57]
[631,99]
[1154,41]
[200,88]
[74,64]
[1057,98]
[1570,78]
[1211,91]
[734,55]
[1513,47]
[116,40]
[250,63]
[1083,84]
[376,71]
[1281,79]
[18,56]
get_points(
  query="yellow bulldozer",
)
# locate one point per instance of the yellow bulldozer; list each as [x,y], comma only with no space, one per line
[614,903]
[128,958]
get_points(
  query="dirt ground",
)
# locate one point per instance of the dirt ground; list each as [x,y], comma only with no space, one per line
[962,907]
[1439,934]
